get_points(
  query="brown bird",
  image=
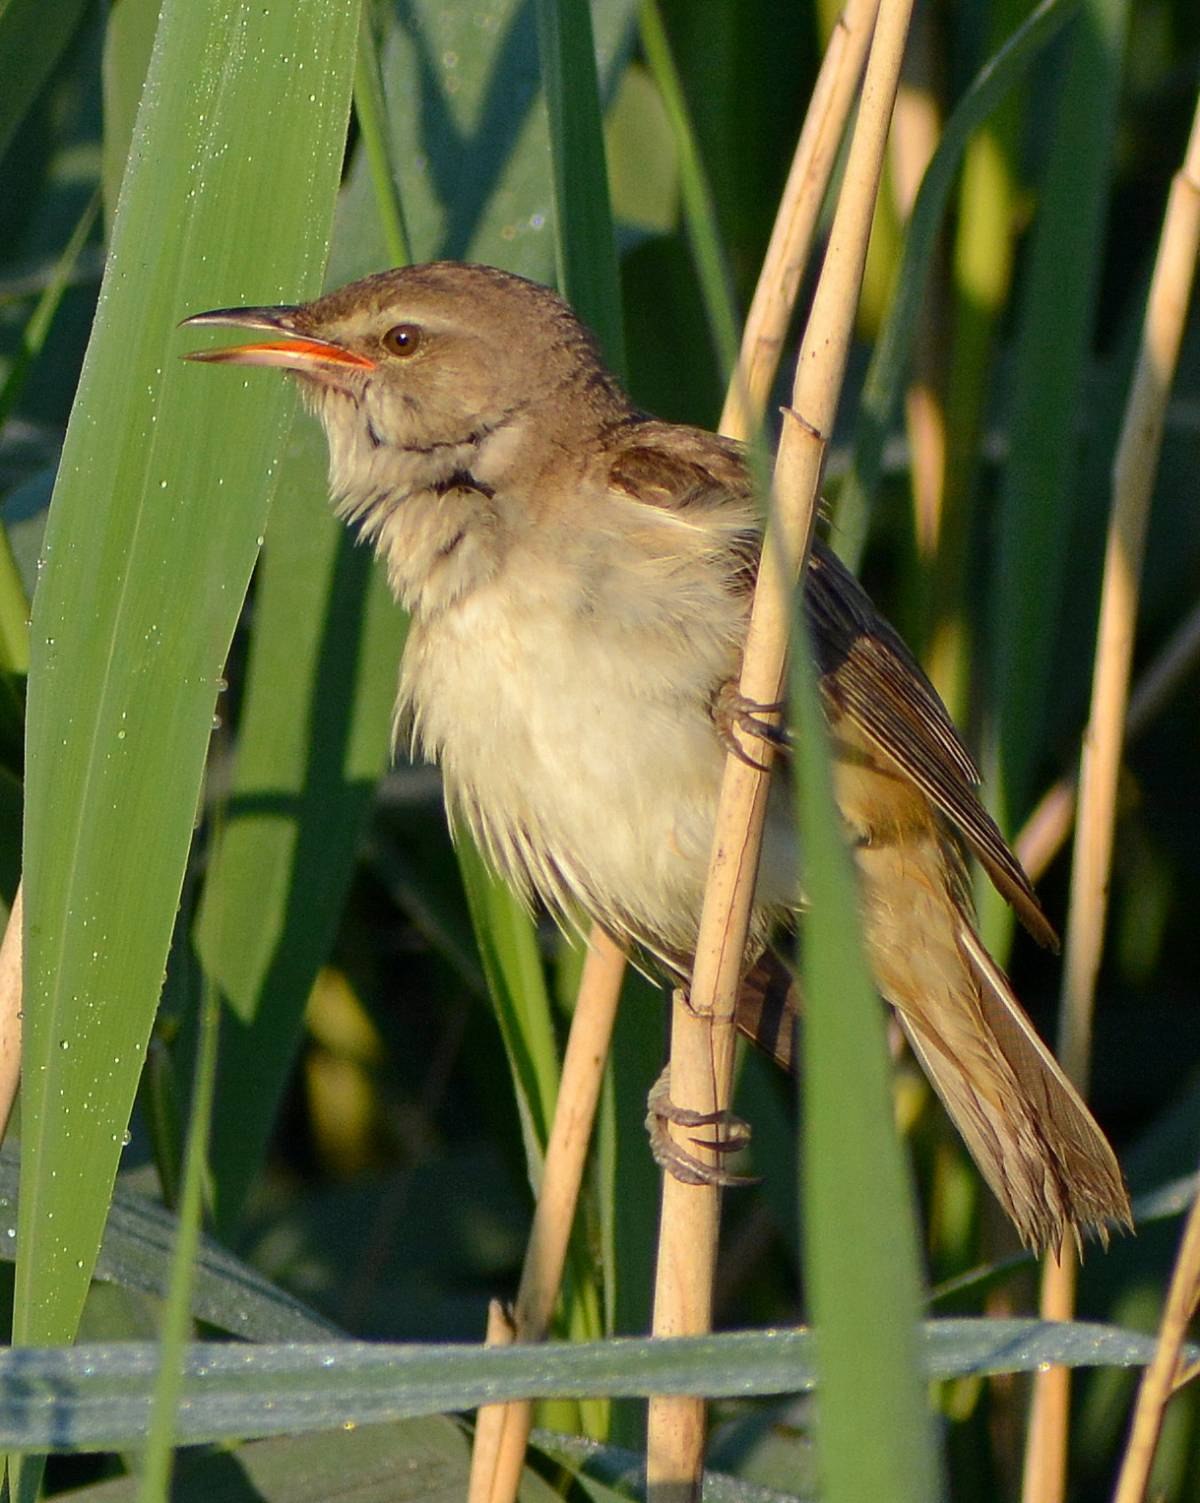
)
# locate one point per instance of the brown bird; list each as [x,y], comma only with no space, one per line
[579,577]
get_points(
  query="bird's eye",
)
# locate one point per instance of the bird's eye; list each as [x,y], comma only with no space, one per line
[402,340]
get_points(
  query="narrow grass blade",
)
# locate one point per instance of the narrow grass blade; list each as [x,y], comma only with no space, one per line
[875,1436]
[470,145]
[699,208]
[96,1397]
[586,254]
[984,243]
[516,981]
[589,277]
[42,317]
[156,1469]
[370,110]
[469,203]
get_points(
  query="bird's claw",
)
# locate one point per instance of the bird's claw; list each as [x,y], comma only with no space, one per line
[733,1134]
[733,712]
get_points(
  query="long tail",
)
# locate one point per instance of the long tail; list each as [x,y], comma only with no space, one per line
[1034,1140]
[1027,1129]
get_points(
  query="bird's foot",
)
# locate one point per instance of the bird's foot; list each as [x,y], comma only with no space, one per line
[733,712]
[731,1136]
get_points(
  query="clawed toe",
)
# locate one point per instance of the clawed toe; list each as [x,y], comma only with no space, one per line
[732,1136]
[732,711]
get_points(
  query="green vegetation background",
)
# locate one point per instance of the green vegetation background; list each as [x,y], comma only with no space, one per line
[388,1023]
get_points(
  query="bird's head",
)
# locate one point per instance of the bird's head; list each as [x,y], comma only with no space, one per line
[435,369]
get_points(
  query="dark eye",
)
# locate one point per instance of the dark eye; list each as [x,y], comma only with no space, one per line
[403,340]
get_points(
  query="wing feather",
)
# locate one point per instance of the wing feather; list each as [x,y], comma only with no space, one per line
[867,672]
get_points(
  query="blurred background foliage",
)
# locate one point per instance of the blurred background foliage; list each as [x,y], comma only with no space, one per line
[368,1152]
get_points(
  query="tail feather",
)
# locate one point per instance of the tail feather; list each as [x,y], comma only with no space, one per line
[1052,1166]
[1034,1140]
[768,1008]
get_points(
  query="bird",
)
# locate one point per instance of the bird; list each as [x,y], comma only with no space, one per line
[579,576]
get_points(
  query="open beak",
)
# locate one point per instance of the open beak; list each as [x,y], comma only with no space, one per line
[297,352]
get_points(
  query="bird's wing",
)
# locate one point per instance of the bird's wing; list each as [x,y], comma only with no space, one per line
[869,675]
[867,672]
[699,479]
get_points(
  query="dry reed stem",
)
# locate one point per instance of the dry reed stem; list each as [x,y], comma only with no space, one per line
[1134,469]
[1165,1373]
[490,1421]
[11,992]
[796,220]
[502,1430]
[1045,1470]
[702,1033]
[1046,830]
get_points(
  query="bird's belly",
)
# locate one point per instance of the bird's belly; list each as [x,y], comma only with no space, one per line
[589,774]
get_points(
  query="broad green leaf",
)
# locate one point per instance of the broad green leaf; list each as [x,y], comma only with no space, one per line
[643,168]
[469,133]
[160,501]
[97,1397]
